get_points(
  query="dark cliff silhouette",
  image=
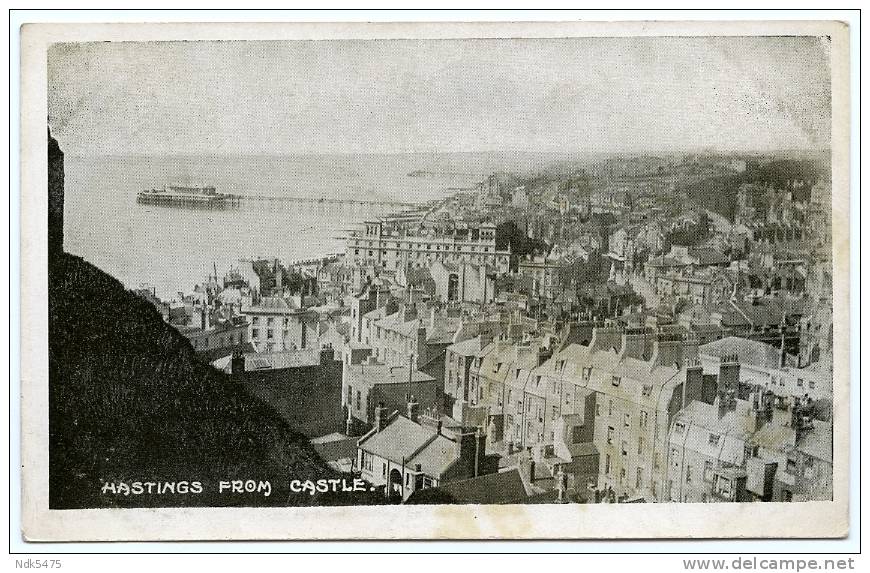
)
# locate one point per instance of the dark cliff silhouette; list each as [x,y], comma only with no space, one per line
[55,196]
[129,402]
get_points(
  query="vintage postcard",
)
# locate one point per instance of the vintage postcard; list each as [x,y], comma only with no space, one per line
[435,281]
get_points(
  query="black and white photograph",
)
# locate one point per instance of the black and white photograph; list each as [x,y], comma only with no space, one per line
[406,272]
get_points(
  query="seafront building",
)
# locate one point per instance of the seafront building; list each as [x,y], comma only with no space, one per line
[391,243]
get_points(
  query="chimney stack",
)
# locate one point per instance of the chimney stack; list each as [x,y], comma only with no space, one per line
[380,417]
[634,342]
[413,410]
[693,388]
[728,382]
[237,363]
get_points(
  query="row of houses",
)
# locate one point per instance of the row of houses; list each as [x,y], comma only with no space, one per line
[605,414]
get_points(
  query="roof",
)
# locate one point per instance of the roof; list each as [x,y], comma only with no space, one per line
[269,305]
[336,449]
[437,456]
[383,374]
[285,359]
[399,440]
[819,442]
[468,347]
[213,354]
[749,352]
[498,488]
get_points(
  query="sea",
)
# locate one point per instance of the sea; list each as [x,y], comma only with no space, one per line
[172,249]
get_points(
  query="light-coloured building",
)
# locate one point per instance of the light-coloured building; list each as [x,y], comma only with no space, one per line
[366,385]
[763,448]
[463,282]
[276,326]
[407,453]
[766,366]
[545,271]
[391,245]
[708,286]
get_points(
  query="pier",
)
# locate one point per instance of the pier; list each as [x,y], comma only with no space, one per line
[323,201]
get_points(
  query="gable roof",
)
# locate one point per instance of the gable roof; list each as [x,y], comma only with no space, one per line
[410,443]
[749,352]
[498,488]
[399,440]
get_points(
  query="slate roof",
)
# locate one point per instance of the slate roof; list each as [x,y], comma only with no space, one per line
[412,443]
[819,442]
[498,488]
[748,352]
[468,347]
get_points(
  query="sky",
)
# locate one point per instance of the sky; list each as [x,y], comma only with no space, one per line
[401,96]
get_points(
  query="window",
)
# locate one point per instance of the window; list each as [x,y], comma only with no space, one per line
[615,380]
[679,427]
[555,412]
[713,440]
[640,445]
[269,333]
[576,434]
[624,448]
[597,409]
[638,479]
[255,333]
[647,390]
[722,486]
[383,469]
[643,418]
[255,320]
[800,382]
[656,460]
[587,373]
[610,407]
[610,432]
[790,465]
[270,321]
[749,450]
[785,495]
[349,395]
[708,471]
[688,473]
[812,384]
[607,464]
[358,399]
[808,467]
[626,420]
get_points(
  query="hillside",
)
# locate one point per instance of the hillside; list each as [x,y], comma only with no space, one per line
[129,401]
[719,194]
